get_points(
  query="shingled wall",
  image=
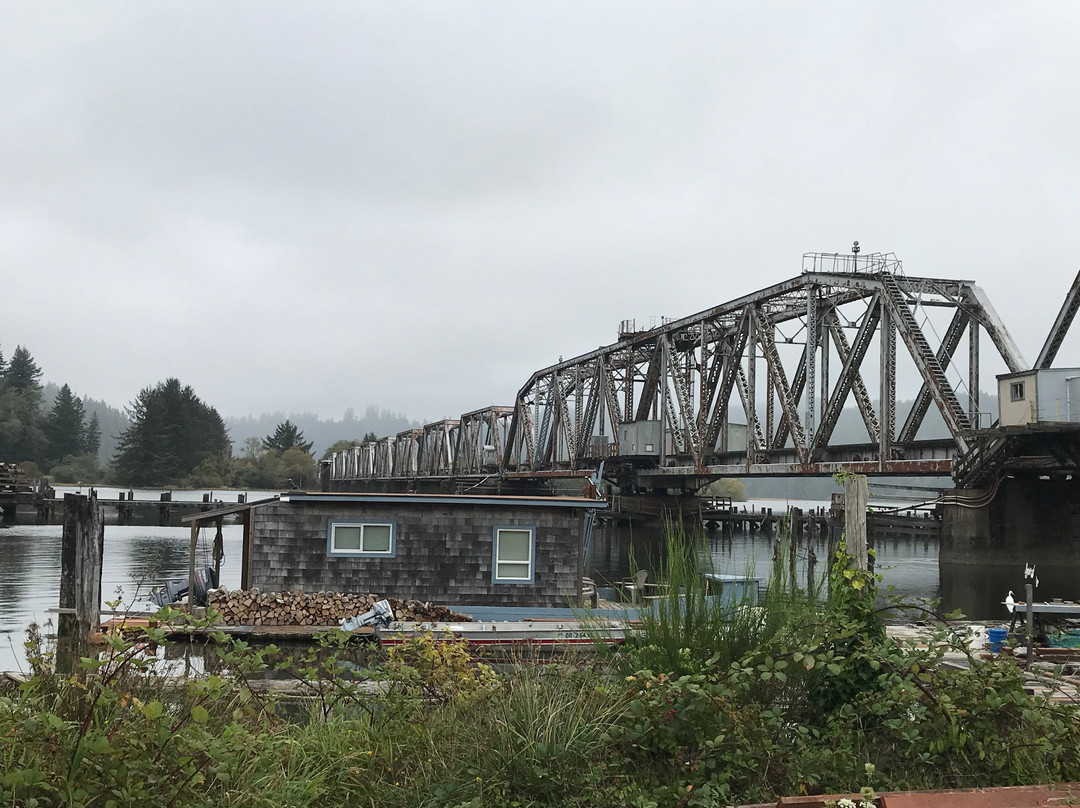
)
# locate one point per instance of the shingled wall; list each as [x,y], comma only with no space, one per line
[443,553]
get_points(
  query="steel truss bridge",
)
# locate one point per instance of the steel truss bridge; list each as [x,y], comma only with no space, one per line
[755,386]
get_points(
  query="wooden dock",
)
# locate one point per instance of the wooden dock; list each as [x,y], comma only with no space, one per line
[125,509]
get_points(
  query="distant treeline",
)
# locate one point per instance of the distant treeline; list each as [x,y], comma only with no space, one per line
[168,436]
[322,432]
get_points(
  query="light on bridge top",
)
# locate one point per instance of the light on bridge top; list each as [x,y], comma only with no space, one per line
[862,264]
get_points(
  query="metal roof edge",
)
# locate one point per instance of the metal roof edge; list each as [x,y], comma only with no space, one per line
[449,499]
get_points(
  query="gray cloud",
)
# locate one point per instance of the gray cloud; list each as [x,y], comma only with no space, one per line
[415,205]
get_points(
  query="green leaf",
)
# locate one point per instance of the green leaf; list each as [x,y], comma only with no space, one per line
[153,710]
[199,714]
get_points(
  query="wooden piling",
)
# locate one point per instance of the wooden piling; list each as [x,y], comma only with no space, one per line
[191,566]
[1029,622]
[82,548]
[855,496]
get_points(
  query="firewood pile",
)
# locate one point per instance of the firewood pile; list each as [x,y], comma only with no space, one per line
[250,607]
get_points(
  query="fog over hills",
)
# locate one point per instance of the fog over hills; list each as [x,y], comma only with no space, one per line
[323,431]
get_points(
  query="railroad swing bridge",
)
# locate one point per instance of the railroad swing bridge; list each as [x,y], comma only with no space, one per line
[752,387]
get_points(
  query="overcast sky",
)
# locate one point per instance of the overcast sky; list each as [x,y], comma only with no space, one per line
[310,206]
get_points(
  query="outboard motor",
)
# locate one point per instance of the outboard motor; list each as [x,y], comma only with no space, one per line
[380,615]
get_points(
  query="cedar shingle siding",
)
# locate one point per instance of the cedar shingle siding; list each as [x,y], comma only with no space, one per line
[442,553]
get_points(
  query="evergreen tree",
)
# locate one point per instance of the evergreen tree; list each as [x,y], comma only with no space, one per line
[65,426]
[22,372]
[171,432]
[92,444]
[285,437]
[22,435]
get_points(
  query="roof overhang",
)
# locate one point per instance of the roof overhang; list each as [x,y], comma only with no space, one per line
[226,510]
[444,499]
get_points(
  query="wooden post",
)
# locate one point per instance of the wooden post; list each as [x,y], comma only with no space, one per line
[1029,596]
[793,548]
[855,495]
[82,547]
[191,566]
[245,553]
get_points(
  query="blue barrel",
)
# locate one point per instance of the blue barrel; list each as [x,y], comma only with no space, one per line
[997,638]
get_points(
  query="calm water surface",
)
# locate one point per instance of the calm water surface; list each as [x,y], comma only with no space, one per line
[139,557]
[136,558]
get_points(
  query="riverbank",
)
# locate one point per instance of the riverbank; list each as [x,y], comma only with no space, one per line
[798,696]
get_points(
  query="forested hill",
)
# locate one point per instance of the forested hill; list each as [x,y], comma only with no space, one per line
[324,432]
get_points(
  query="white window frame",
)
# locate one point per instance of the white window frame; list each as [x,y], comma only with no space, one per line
[495,577]
[361,523]
[1017,390]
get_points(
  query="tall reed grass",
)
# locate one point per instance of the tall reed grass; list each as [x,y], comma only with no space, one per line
[686,626]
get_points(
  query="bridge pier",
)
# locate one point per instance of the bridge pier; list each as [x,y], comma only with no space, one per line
[1028,520]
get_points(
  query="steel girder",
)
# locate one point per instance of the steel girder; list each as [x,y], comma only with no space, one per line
[699,374]
[481,438]
[435,454]
[698,378]
[406,453]
[384,458]
[1061,326]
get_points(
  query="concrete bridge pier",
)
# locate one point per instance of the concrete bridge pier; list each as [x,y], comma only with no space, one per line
[1028,520]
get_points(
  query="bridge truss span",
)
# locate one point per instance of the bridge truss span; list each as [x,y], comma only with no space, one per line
[797,378]
[757,386]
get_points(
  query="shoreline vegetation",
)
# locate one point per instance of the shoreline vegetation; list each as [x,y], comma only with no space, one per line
[707,705]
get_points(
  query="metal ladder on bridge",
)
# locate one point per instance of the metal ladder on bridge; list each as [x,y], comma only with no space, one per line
[925,359]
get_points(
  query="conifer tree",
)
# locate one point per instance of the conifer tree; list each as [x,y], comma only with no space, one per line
[285,437]
[172,431]
[65,426]
[93,436]
[22,371]
[22,436]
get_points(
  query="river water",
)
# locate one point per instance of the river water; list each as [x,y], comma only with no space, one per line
[139,557]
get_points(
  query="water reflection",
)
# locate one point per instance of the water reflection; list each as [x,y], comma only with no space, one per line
[136,558]
[908,565]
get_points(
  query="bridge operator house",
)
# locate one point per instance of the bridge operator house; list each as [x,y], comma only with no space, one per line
[447,549]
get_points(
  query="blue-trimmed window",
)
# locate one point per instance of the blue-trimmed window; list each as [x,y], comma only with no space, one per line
[356,538]
[513,555]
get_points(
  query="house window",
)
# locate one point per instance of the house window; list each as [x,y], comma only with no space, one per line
[362,538]
[1016,391]
[513,555]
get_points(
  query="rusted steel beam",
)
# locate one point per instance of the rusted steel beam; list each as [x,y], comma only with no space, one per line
[949,343]
[848,375]
[821,469]
[698,364]
[1061,326]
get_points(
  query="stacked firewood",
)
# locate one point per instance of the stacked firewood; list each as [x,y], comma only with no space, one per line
[250,607]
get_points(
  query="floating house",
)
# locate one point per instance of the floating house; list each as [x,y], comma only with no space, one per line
[449,549]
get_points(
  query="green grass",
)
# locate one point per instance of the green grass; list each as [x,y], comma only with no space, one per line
[686,627]
[712,704]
